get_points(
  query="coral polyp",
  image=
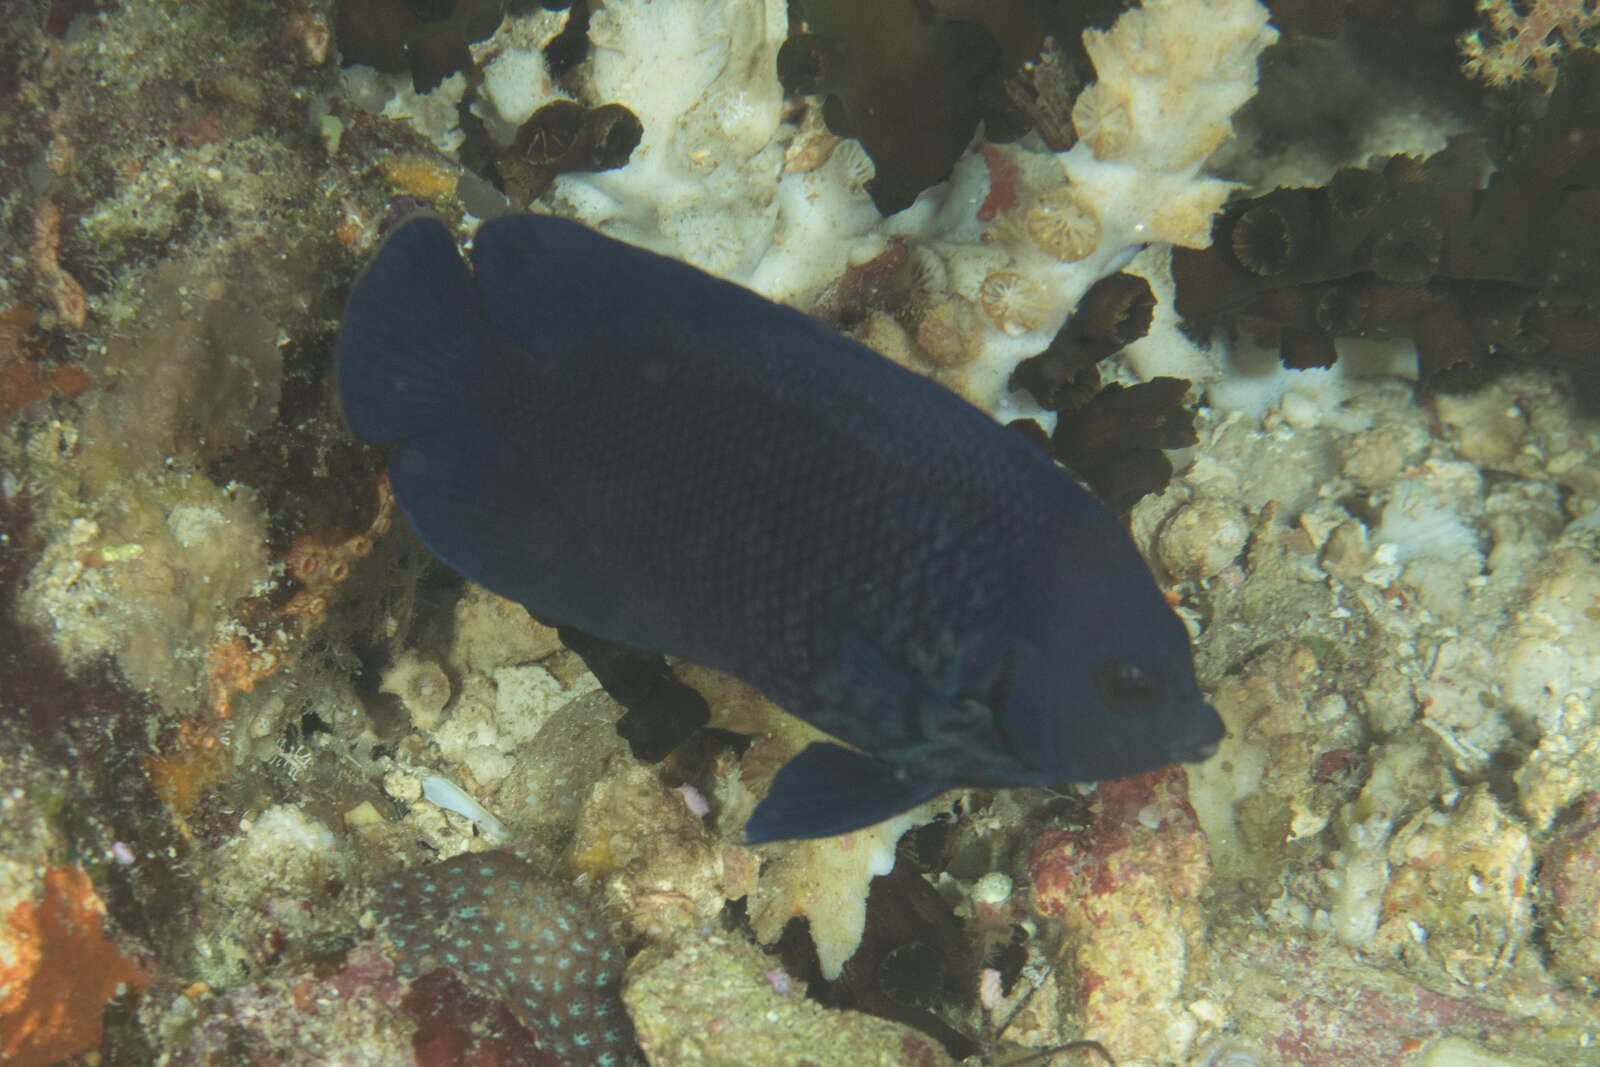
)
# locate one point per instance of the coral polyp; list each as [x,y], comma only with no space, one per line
[1408,251]
[1266,239]
[1014,302]
[1064,224]
[1104,121]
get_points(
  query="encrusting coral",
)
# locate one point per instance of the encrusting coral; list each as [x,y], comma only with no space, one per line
[24,379]
[1127,888]
[1457,895]
[1569,900]
[742,1015]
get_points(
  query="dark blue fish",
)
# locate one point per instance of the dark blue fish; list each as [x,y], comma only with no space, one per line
[629,446]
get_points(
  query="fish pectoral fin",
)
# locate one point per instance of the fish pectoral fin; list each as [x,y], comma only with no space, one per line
[828,789]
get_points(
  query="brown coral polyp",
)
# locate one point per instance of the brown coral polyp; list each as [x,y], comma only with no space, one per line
[1342,309]
[1354,192]
[1408,251]
[1266,239]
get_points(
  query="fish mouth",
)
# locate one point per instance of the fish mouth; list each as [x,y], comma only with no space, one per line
[1195,754]
[1199,742]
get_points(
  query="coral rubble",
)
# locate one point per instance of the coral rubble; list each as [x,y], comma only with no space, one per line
[708,1000]
[1127,889]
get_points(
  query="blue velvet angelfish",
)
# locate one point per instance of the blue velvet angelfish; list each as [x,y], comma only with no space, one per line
[629,446]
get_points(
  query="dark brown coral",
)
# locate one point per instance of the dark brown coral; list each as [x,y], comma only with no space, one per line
[913,966]
[1113,313]
[564,136]
[1414,248]
[912,81]
[426,38]
[1116,441]
[1110,436]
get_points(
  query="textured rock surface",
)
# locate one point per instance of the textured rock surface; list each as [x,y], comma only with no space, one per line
[1127,888]
[709,1001]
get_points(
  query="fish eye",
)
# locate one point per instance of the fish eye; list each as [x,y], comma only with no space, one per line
[1125,688]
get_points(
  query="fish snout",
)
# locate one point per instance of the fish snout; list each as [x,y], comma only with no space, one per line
[1199,738]
[1196,754]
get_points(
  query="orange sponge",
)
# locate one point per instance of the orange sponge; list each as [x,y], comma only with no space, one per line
[57,970]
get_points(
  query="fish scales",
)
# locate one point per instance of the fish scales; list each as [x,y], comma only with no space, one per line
[632,447]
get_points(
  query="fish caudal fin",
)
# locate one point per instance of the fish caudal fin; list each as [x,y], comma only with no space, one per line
[828,789]
[413,343]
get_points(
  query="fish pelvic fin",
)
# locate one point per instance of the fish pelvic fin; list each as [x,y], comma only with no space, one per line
[829,789]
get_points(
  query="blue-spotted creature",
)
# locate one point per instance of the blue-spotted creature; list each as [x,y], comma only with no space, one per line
[516,936]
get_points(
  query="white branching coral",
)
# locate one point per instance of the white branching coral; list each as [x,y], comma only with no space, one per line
[1526,39]
[700,75]
[1170,76]
[725,179]
[1064,224]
